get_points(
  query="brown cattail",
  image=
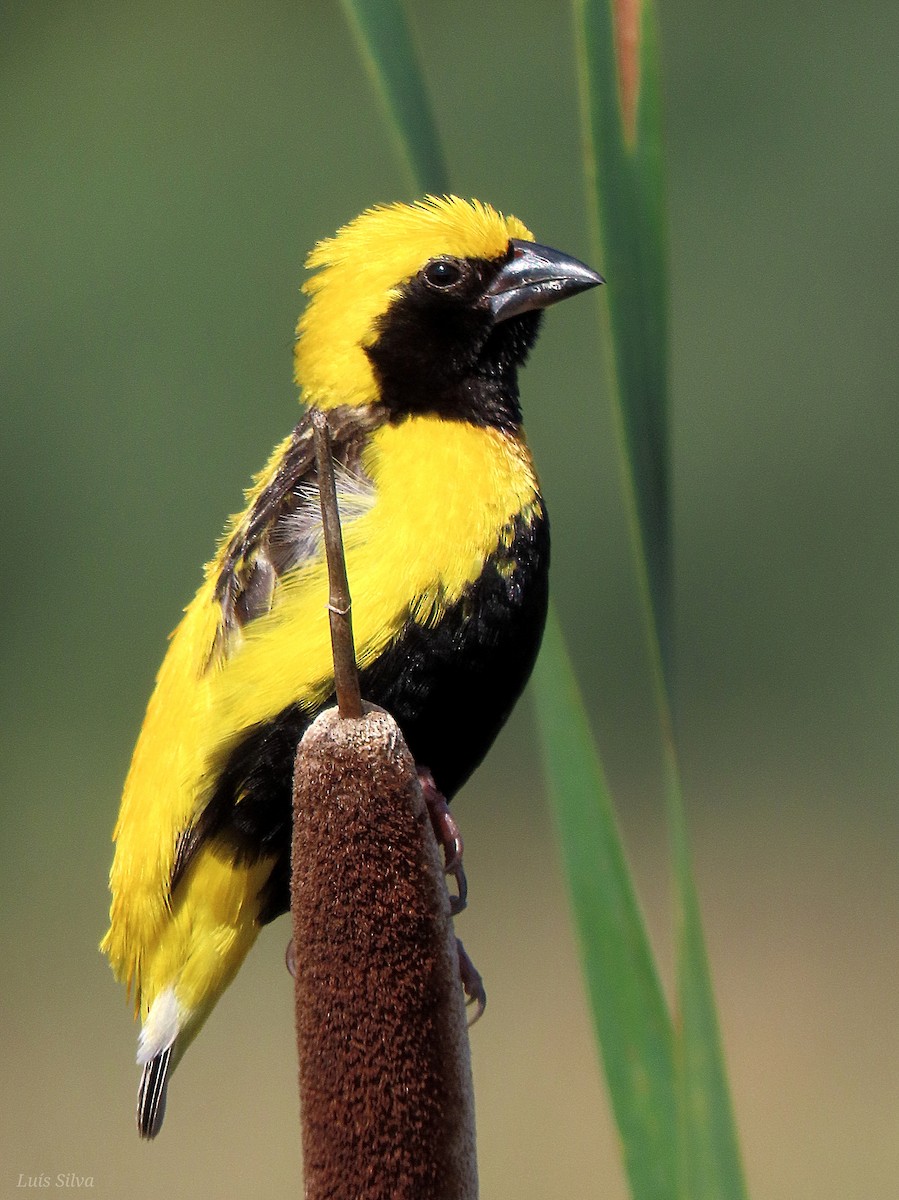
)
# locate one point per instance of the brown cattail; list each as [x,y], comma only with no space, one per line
[385,1072]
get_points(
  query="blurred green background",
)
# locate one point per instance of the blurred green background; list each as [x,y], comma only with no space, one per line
[164,170]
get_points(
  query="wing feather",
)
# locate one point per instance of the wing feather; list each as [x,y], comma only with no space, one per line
[274,541]
[280,529]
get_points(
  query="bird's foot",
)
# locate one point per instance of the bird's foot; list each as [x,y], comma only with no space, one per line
[290,958]
[448,835]
[472,984]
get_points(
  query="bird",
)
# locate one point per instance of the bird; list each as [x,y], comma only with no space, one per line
[417,320]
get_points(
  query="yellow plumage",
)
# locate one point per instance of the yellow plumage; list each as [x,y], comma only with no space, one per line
[443,496]
[440,503]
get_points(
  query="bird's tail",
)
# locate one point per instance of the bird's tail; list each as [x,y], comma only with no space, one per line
[158,1052]
[152,1093]
[197,953]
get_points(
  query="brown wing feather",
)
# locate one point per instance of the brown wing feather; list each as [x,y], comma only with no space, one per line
[263,547]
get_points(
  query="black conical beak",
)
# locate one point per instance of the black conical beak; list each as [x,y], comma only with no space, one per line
[535,277]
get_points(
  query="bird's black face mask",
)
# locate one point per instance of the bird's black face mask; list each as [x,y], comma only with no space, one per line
[452,341]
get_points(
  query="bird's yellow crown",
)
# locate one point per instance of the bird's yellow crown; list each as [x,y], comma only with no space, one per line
[360,270]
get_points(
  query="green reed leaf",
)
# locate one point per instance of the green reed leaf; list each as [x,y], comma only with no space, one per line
[629,1012]
[619,70]
[385,43]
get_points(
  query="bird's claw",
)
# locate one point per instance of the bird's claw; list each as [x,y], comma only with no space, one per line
[448,835]
[472,984]
[460,900]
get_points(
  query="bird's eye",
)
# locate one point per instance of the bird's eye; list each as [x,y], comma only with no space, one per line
[442,273]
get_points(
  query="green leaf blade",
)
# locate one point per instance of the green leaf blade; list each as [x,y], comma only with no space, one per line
[625,173]
[625,180]
[711,1165]
[385,43]
[629,1011]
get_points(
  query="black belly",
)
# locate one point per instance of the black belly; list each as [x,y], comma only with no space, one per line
[450,687]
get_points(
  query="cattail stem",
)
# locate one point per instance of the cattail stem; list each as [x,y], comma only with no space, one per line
[346,674]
